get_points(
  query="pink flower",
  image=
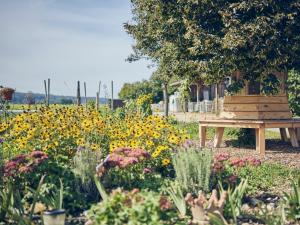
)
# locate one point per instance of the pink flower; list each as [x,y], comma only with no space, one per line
[218,167]
[147,170]
[38,154]
[25,169]
[222,157]
[232,179]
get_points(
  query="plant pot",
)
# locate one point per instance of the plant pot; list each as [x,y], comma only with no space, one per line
[6,93]
[56,217]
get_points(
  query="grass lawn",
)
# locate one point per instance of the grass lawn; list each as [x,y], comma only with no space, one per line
[229,133]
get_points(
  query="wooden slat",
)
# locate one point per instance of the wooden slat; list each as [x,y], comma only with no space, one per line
[231,125]
[256,115]
[260,107]
[255,99]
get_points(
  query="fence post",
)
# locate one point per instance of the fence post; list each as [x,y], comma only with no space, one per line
[78,94]
[85,95]
[97,101]
[48,94]
[112,95]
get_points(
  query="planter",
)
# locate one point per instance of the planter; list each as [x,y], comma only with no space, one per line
[255,107]
[56,217]
[6,93]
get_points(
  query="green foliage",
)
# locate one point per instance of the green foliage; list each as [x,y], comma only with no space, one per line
[270,85]
[100,188]
[75,198]
[266,177]
[175,192]
[233,206]
[85,162]
[55,201]
[131,208]
[293,86]
[132,177]
[192,168]
[245,136]
[13,206]
[292,201]
[136,89]
[235,87]
[215,38]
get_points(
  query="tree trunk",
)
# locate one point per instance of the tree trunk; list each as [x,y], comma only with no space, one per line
[166,99]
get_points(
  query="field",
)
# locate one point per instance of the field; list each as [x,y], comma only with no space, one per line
[129,165]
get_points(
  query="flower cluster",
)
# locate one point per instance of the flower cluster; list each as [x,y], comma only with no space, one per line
[223,159]
[225,167]
[61,130]
[124,157]
[24,163]
[144,99]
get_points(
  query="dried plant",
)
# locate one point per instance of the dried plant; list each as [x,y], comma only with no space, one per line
[203,209]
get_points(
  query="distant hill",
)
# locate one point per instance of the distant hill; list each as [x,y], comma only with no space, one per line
[20,98]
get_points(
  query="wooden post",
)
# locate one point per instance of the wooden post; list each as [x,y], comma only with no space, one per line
[99,87]
[216,98]
[260,140]
[166,99]
[202,135]
[298,133]
[48,93]
[97,101]
[112,95]
[78,94]
[293,137]
[218,137]
[84,85]
[283,134]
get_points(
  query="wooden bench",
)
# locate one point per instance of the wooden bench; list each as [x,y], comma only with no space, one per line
[293,126]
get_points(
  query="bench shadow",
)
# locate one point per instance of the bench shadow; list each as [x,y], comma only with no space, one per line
[272,145]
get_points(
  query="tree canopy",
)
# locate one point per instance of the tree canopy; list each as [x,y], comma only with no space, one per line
[136,89]
[211,39]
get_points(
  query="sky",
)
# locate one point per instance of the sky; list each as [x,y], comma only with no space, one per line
[66,41]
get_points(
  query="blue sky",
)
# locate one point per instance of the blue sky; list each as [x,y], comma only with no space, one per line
[66,40]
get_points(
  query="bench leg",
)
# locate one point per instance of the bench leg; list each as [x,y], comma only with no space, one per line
[260,140]
[202,135]
[298,133]
[283,134]
[218,137]
[293,137]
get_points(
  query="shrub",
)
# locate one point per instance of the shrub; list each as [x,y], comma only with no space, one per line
[85,162]
[192,169]
[293,86]
[226,169]
[130,168]
[132,207]
[265,177]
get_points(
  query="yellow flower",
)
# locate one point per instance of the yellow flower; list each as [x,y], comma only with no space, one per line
[94,147]
[155,154]
[165,162]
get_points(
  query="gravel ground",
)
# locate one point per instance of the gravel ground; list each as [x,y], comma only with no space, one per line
[276,151]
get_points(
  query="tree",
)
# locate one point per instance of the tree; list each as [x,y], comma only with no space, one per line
[134,90]
[213,38]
